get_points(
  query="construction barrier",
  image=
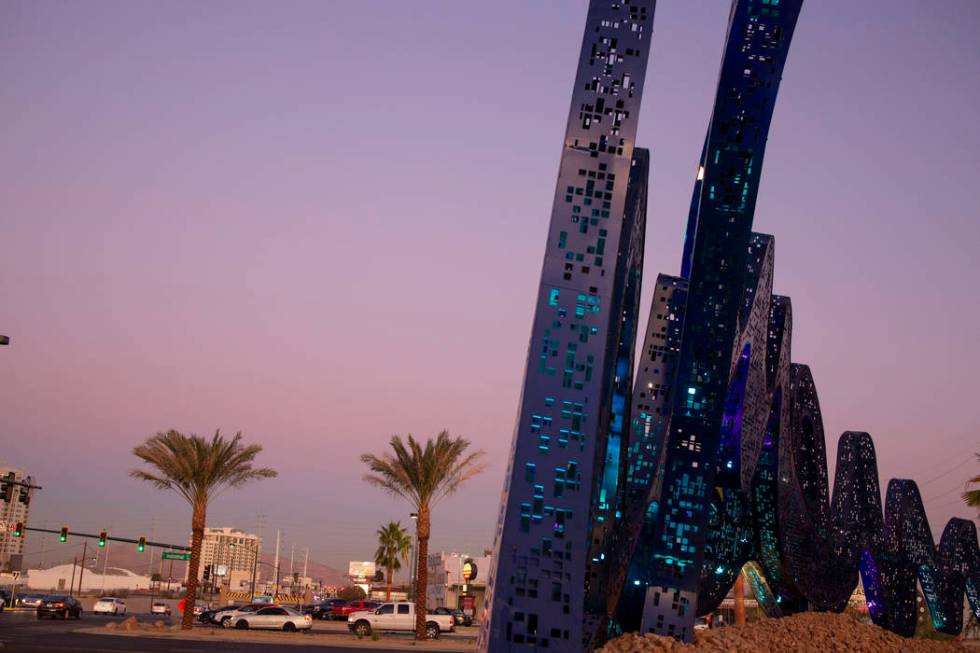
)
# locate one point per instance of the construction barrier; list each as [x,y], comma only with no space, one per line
[279,598]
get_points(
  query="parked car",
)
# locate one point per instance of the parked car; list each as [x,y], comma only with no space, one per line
[459,618]
[214,616]
[29,600]
[225,616]
[398,616]
[5,599]
[160,608]
[324,609]
[274,617]
[345,609]
[57,605]
[109,605]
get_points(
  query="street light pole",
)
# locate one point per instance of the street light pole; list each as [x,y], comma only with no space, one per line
[276,593]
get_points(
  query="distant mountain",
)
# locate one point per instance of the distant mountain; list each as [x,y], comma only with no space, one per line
[125,556]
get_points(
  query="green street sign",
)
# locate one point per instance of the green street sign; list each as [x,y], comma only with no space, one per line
[173,555]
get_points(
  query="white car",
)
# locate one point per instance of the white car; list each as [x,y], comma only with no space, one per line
[159,608]
[398,616]
[109,605]
[274,617]
[225,615]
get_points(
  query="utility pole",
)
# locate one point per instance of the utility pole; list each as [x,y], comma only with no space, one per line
[306,562]
[153,536]
[255,565]
[71,586]
[81,572]
[292,551]
[276,565]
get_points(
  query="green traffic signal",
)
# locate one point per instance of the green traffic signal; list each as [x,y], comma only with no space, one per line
[63,537]
[18,529]
[102,537]
[141,545]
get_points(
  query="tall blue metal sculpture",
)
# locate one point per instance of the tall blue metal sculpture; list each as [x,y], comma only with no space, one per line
[634,504]
[563,477]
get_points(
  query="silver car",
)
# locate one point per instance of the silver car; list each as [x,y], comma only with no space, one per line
[30,600]
[274,618]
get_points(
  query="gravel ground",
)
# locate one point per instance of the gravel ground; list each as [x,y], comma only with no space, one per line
[809,632]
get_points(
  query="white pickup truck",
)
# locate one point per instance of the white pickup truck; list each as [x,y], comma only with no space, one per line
[398,616]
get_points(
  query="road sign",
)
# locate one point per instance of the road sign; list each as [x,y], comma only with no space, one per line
[174,555]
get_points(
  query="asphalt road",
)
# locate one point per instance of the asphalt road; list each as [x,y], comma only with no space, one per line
[22,632]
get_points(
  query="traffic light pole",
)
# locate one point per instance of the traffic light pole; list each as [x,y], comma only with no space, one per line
[162,545]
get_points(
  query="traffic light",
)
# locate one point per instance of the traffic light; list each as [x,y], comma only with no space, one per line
[24,496]
[207,572]
[141,545]
[7,487]
[102,537]
[19,529]
[64,534]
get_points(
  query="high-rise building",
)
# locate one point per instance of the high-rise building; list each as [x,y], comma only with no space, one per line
[565,471]
[15,503]
[230,548]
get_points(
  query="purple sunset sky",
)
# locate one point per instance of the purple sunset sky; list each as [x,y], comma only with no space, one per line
[322,223]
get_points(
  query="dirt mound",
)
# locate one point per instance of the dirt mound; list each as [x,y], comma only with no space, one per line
[809,632]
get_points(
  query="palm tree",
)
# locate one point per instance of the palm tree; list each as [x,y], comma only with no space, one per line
[394,544]
[197,469]
[423,475]
[972,497]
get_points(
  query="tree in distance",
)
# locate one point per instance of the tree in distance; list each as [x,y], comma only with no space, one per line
[394,545]
[197,469]
[422,476]
[352,593]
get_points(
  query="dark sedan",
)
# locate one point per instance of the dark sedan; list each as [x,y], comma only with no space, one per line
[59,606]
[459,618]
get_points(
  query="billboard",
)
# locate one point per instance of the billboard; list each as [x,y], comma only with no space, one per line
[360,572]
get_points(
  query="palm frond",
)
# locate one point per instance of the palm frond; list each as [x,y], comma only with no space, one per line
[195,467]
[423,473]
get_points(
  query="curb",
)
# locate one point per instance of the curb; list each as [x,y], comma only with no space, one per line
[295,639]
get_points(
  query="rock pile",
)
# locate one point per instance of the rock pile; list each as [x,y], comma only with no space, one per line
[131,624]
[809,632]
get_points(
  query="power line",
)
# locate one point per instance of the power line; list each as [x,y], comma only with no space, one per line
[962,463]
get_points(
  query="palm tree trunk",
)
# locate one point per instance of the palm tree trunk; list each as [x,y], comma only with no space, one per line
[197,540]
[388,590]
[739,600]
[421,571]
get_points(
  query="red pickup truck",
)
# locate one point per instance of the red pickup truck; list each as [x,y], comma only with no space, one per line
[343,611]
